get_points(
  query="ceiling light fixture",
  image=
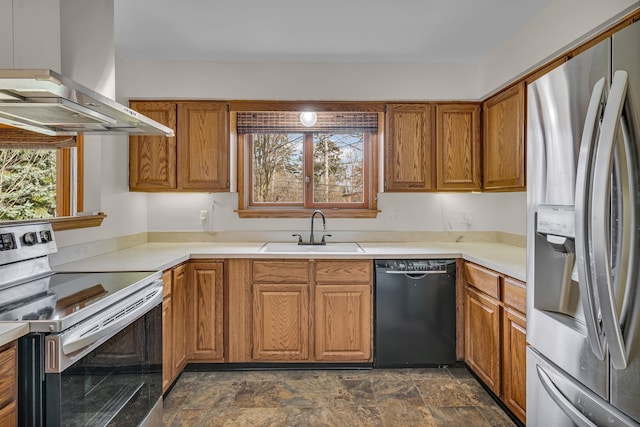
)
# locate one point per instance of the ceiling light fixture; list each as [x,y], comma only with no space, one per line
[308,118]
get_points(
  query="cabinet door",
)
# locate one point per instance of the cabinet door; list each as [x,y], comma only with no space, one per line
[482,337]
[458,147]
[409,147]
[152,158]
[504,157]
[8,375]
[179,306]
[167,344]
[514,369]
[9,415]
[343,323]
[280,322]
[203,139]
[205,296]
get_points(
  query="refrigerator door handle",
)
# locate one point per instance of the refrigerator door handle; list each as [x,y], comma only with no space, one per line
[584,183]
[572,412]
[632,273]
[600,220]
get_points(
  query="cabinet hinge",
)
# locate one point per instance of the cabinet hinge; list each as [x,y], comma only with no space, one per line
[228,184]
[385,183]
[228,108]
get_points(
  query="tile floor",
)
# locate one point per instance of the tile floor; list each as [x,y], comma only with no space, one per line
[379,397]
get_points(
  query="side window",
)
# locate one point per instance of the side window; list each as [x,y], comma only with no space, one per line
[39,181]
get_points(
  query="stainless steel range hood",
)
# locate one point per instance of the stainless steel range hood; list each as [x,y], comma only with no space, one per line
[45,102]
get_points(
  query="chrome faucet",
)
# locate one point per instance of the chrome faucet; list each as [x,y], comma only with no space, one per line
[324,226]
[311,236]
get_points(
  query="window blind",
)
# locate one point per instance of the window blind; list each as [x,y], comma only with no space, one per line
[21,139]
[289,122]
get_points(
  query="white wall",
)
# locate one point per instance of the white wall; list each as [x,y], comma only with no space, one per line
[560,25]
[295,81]
[88,57]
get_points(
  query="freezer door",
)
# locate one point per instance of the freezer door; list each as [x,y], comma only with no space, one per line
[625,383]
[561,316]
[556,399]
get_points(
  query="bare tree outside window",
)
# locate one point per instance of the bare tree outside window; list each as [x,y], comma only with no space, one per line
[27,184]
[334,173]
[277,168]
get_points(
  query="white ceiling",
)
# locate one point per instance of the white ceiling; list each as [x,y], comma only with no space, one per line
[398,31]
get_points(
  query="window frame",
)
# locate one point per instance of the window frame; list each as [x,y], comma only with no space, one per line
[243,159]
[307,171]
[66,169]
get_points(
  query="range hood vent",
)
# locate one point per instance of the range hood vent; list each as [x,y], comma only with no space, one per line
[45,102]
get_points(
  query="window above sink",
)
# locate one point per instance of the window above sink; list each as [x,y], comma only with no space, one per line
[288,169]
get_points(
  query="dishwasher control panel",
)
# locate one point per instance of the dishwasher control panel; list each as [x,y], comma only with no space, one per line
[417,265]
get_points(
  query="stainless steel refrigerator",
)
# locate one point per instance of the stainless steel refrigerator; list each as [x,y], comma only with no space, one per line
[583,233]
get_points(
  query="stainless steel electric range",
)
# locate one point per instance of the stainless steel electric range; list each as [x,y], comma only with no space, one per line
[93,356]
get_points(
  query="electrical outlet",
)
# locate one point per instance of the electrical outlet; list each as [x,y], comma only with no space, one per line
[467,217]
[204,215]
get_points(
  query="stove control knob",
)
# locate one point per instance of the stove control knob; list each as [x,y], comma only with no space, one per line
[45,236]
[30,238]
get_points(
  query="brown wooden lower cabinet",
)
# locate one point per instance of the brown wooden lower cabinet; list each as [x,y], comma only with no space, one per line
[167,344]
[482,337]
[179,306]
[343,322]
[9,415]
[514,371]
[205,319]
[8,385]
[280,322]
[191,317]
[306,311]
[495,334]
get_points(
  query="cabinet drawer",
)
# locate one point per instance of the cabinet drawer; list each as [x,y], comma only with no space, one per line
[342,272]
[515,294]
[482,279]
[8,388]
[280,272]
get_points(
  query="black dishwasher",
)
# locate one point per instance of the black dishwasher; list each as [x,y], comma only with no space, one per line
[415,313]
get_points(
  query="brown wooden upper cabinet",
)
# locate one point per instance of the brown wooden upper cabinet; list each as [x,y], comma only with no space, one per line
[152,159]
[504,148]
[409,147]
[197,159]
[458,147]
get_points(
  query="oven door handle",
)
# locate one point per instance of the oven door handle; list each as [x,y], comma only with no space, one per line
[123,314]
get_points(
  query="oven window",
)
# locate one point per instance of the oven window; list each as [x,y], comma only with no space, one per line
[117,384]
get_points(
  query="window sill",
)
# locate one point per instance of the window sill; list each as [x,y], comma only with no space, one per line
[306,213]
[67,222]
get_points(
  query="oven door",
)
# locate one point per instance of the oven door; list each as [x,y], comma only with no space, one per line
[98,376]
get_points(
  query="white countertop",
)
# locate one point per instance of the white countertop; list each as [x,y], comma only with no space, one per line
[10,331]
[506,259]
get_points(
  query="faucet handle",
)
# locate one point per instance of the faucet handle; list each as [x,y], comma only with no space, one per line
[299,238]
[323,241]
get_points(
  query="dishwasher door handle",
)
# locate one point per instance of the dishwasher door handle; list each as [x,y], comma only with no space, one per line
[407,273]
[416,275]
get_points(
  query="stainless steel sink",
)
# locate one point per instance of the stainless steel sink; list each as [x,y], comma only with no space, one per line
[277,247]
